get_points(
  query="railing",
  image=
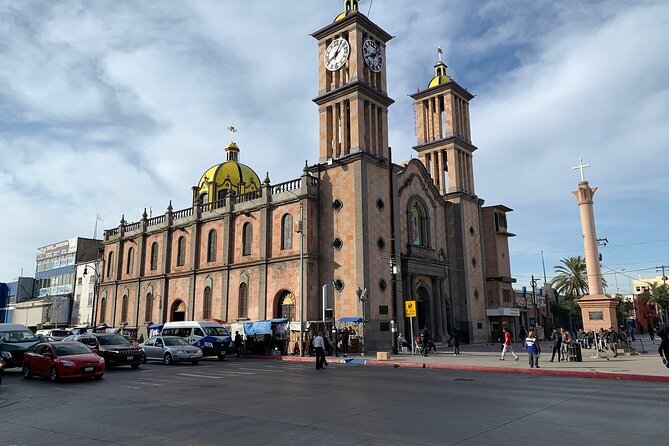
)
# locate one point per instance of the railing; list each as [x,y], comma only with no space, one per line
[248,196]
[111,232]
[208,207]
[132,227]
[156,220]
[183,213]
[287,186]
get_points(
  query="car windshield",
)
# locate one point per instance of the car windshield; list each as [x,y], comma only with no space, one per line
[16,336]
[216,331]
[113,340]
[175,342]
[60,333]
[70,349]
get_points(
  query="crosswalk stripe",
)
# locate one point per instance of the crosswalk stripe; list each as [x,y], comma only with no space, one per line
[194,375]
[164,381]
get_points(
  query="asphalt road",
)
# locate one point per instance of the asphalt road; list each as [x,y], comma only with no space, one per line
[263,402]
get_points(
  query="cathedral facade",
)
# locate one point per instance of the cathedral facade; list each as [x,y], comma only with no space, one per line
[355,233]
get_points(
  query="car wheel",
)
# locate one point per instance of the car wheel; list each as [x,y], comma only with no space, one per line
[195,362]
[135,366]
[221,357]
[167,359]
[144,360]
[53,375]
[97,377]
[27,374]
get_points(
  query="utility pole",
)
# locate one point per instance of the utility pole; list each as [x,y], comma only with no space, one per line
[393,260]
[664,276]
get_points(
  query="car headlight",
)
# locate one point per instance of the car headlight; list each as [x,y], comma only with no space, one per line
[68,363]
[116,352]
[101,360]
[6,355]
[208,344]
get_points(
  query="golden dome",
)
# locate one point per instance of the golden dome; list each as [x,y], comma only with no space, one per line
[440,76]
[231,176]
[350,6]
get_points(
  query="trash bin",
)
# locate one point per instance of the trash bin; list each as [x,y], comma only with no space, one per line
[574,353]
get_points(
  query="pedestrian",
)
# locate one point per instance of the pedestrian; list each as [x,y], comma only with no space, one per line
[557,344]
[591,339]
[566,342]
[402,342]
[456,343]
[651,332]
[319,349]
[343,335]
[633,333]
[508,346]
[613,341]
[533,349]
[522,334]
[238,343]
[663,349]
[424,335]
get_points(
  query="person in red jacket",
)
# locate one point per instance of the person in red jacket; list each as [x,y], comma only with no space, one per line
[508,345]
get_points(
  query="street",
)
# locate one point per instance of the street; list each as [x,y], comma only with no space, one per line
[262,402]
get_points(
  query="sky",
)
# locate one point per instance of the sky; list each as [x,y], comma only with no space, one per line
[107,108]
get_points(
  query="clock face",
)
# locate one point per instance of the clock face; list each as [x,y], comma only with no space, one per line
[336,54]
[372,54]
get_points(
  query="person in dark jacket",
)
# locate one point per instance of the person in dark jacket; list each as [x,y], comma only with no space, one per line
[613,341]
[663,349]
[557,344]
[343,335]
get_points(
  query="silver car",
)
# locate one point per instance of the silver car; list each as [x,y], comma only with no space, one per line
[169,349]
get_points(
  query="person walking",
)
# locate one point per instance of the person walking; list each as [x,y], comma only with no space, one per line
[533,349]
[456,343]
[343,335]
[319,349]
[238,342]
[663,349]
[566,342]
[651,332]
[613,341]
[557,344]
[522,334]
[508,346]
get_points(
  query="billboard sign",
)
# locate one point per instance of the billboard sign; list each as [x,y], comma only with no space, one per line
[57,249]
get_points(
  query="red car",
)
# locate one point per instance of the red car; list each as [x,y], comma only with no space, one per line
[60,360]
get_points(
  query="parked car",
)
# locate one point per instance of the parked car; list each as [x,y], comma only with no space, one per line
[169,349]
[63,360]
[15,340]
[115,349]
[211,337]
[52,335]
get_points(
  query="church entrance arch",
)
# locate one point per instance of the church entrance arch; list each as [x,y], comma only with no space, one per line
[285,306]
[178,311]
[423,313]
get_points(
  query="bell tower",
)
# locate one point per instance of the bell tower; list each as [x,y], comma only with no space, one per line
[352,94]
[444,137]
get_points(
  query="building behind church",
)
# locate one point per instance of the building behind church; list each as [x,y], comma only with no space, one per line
[247,249]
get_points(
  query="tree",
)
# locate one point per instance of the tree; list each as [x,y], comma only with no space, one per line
[571,278]
[658,295]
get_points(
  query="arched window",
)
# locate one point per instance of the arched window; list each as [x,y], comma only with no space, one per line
[243,305]
[131,260]
[181,251]
[103,309]
[211,246]
[206,303]
[124,310]
[110,263]
[287,232]
[154,256]
[418,226]
[287,306]
[204,198]
[247,239]
[148,312]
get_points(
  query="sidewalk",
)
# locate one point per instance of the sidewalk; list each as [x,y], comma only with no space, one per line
[485,358]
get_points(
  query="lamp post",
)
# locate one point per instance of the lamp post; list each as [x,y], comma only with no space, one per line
[95,289]
[300,229]
[363,297]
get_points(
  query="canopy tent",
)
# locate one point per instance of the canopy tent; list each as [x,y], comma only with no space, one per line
[262,327]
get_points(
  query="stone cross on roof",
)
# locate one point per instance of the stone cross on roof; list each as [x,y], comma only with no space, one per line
[581,166]
[439,53]
[232,130]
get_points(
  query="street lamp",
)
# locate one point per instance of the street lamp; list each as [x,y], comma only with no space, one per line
[96,284]
[363,297]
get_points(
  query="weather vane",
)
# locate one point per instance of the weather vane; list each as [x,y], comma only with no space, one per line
[232,130]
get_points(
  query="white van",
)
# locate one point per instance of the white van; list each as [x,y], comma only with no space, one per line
[212,337]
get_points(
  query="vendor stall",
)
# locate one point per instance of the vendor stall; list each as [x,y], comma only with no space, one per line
[266,337]
[354,326]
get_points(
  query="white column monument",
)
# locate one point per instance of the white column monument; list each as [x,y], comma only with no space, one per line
[597,309]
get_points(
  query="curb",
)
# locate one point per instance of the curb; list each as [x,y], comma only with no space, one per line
[476,368]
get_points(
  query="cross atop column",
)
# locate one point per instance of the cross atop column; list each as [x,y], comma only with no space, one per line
[232,130]
[439,53]
[581,166]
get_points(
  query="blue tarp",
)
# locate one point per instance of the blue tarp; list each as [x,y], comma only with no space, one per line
[261,327]
[156,326]
[351,320]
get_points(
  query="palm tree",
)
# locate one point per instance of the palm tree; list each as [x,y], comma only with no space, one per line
[658,295]
[571,278]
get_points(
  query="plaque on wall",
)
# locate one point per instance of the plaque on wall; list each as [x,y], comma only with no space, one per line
[596,315]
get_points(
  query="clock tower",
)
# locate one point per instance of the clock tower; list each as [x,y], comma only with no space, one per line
[352,94]
[354,215]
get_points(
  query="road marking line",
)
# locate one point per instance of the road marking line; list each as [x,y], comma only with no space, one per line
[148,371]
[150,384]
[194,375]
[132,387]
[158,380]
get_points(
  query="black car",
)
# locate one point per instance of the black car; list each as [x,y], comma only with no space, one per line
[116,349]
